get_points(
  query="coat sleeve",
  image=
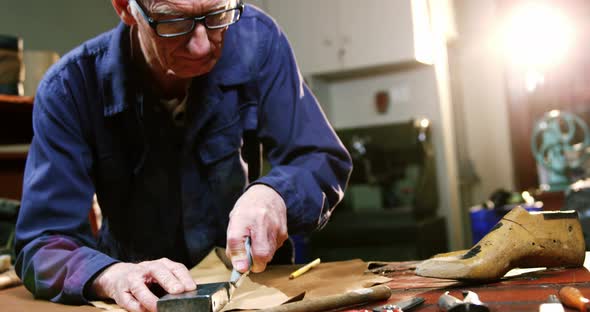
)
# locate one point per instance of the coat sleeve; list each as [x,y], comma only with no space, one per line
[310,166]
[56,255]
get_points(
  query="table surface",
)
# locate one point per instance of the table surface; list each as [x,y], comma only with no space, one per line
[523,292]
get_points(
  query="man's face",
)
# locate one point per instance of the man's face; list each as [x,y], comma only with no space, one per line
[188,55]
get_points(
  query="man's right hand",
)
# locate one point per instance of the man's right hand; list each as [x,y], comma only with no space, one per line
[127,283]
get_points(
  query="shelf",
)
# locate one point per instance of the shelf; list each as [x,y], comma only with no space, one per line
[14,151]
[368,71]
[15,103]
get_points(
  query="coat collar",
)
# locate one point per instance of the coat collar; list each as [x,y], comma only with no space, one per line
[233,68]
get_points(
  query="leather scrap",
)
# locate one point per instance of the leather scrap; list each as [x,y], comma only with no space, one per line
[273,286]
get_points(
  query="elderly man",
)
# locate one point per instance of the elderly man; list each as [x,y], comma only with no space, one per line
[158,117]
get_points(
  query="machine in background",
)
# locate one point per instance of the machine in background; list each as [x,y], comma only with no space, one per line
[390,208]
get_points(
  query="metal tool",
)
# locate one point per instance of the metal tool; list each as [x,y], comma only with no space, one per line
[211,297]
[236,276]
[470,303]
[552,305]
[401,306]
[446,301]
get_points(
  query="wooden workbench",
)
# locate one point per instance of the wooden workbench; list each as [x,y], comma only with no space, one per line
[524,292]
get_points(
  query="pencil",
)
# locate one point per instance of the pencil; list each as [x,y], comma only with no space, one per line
[304,268]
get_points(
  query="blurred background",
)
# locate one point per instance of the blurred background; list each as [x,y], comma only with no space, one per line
[455,111]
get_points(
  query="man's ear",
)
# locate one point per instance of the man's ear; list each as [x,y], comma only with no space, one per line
[123,9]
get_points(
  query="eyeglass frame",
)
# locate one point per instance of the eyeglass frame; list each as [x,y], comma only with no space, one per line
[196,19]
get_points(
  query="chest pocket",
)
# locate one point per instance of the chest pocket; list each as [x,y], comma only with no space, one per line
[224,151]
[240,134]
[219,152]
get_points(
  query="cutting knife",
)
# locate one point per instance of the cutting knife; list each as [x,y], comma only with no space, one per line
[236,277]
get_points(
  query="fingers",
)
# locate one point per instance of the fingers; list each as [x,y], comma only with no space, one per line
[128,302]
[172,276]
[262,251]
[236,251]
[264,247]
[142,294]
[261,214]
[181,273]
[128,283]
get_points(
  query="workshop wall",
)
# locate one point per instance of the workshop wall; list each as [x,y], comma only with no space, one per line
[479,72]
[56,25]
[59,25]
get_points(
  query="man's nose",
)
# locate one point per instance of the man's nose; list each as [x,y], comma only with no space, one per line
[198,44]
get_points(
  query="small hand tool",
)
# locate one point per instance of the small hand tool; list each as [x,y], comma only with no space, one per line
[552,305]
[573,298]
[211,297]
[400,306]
[236,276]
[470,303]
[446,301]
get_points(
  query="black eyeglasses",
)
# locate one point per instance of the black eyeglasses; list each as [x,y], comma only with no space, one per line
[181,26]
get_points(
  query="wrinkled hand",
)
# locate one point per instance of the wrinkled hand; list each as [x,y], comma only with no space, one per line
[127,283]
[260,213]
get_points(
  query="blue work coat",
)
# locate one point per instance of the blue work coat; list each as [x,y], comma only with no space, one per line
[165,191]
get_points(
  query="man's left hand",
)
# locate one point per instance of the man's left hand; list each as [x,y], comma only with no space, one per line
[261,214]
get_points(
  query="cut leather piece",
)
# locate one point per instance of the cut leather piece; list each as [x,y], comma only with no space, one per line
[252,296]
[325,279]
[214,268]
[273,286]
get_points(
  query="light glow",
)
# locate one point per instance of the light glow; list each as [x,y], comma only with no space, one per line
[537,37]
[424,123]
[554,113]
[533,79]
[527,197]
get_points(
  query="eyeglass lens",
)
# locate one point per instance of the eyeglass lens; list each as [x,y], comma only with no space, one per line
[212,21]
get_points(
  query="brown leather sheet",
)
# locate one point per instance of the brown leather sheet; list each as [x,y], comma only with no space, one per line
[273,286]
[19,299]
[323,280]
